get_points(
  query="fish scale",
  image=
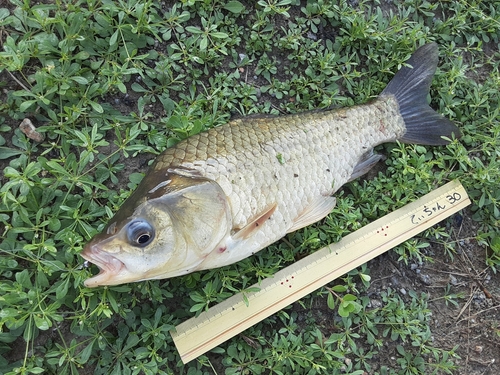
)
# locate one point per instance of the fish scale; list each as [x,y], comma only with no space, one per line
[220,196]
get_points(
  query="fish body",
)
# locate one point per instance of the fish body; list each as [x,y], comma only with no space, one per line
[222,195]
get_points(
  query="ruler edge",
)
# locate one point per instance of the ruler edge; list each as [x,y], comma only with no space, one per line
[435,194]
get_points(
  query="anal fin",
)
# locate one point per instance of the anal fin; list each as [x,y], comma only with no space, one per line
[255,224]
[316,211]
[366,163]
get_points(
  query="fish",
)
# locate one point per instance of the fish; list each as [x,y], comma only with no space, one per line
[222,195]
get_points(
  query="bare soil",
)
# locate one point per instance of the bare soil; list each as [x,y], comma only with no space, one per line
[474,323]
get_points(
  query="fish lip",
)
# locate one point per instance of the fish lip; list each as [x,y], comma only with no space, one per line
[109,266]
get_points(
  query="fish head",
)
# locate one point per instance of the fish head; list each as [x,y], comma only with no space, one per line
[165,229]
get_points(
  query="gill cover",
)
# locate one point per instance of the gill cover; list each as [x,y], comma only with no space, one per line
[199,211]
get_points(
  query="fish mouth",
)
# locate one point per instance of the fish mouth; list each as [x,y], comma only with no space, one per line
[109,266]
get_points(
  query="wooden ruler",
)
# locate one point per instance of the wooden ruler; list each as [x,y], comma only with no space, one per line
[225,320]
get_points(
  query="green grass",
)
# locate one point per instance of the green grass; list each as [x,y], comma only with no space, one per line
[106,81]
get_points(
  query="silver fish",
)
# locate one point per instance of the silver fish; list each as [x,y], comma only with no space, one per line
[222,195]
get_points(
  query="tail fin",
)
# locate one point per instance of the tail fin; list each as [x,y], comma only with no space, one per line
[410,86]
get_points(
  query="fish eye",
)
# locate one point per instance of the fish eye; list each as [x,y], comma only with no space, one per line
[140,233]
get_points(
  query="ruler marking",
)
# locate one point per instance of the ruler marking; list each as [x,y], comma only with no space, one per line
[310,273]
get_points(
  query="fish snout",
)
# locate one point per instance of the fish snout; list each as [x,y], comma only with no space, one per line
[109,266]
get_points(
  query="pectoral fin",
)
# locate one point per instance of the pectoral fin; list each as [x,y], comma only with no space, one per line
[254,225]
[317,210]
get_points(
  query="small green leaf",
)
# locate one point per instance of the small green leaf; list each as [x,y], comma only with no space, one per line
[96,106]
[4,12]
[25,105]
[62,289]
[54,224]
[219,35]
[482,200]
[9,313]
[339,288]
[197,59]
[113,38]
[234,7]
[7,152]
[80,80]
[56,168]
[365,277]
[194,30]
[197,307]
[136,177]
[330,301]
[83,55]
[121,87]
[349,297]
[42,322]
[218,350]
[36,370]
[138,88]
[204,43]
[343,312]
[122,289]
[85,353]
[23,278]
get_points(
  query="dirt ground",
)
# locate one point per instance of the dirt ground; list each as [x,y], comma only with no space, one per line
[474,323]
